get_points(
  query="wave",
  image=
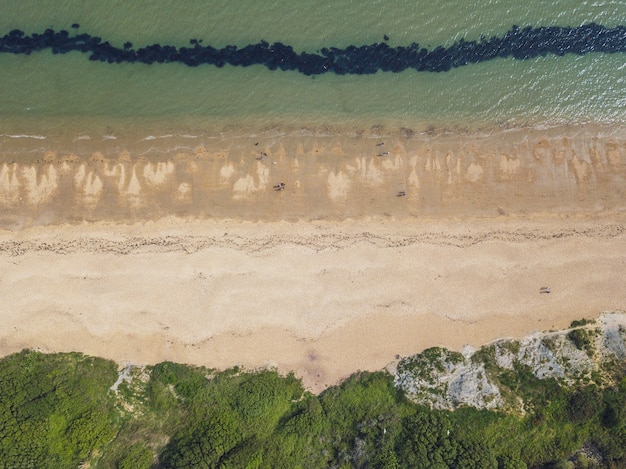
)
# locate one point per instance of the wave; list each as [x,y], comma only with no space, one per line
[518,43]
[34,137]
[152,137]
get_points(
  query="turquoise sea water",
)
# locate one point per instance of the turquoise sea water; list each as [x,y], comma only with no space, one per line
[46,94]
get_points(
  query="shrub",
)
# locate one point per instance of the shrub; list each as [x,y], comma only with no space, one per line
[580,338]
[584,405]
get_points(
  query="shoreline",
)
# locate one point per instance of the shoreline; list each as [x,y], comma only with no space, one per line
[386,174]
[128,131]
[146,252]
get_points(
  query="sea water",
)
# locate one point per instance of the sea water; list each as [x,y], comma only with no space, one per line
[45,94]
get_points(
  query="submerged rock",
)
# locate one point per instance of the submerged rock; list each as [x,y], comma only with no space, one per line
[518,43]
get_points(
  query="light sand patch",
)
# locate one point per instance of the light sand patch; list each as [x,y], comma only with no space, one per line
[338,186]
[93,185]
[370,173]
[39,186]
[226,173]
[121,179]
[432,164]
[92,189]
[132,192]
[280,152]
[263,173]
[581,169]
[413,179]
[183,193]
[392,164]
[9,184]
[244,187]
[65,167]
[509,167]
[88,186]
[157,173]
[111,170]
[474,172]
[613,154]
[134,188]
[337,150]
[79,176]
[453,165]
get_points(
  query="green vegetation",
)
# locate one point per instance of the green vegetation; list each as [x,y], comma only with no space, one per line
[581,322]
[55,410]
[59,411]
[582,340]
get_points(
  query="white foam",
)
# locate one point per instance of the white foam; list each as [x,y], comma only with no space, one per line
[36,137]
[152,137]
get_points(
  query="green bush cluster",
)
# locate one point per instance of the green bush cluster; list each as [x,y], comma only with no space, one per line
[581,322]
[58,411]
[582,340]
[54,409]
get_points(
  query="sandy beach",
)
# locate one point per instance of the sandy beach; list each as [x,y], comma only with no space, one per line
[379,245]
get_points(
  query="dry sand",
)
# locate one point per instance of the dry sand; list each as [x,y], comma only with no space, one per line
[191,256]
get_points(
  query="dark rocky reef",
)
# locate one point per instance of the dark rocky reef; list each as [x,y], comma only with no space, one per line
[518,43]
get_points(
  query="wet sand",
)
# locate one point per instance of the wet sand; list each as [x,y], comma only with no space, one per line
[148,251]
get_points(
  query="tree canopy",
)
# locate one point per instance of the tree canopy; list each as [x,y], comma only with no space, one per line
[60,411]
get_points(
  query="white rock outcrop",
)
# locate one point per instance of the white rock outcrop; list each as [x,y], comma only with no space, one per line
[443,379]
